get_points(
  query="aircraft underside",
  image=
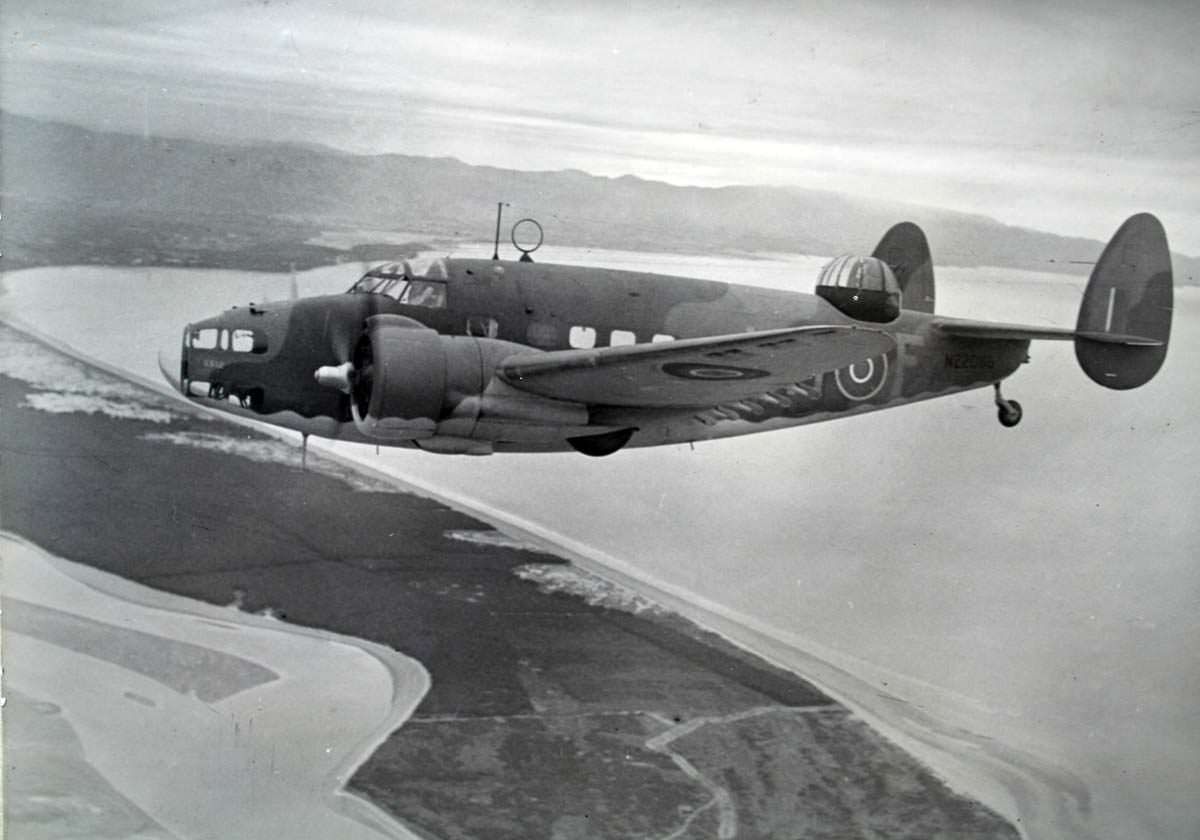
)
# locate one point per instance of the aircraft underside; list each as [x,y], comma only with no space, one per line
[622,428]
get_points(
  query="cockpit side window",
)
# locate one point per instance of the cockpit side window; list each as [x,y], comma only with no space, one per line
[376,284]
[237,340]
[205,339]
[365,285]
[428,293]
[390,279]
[394,287]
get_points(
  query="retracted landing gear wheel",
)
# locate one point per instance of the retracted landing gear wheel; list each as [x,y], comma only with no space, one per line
[1008,411]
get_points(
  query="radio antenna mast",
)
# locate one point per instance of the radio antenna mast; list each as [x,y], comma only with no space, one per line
[499,212]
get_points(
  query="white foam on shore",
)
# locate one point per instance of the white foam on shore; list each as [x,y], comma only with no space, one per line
[272,451]
[553,578]
[54,403]
[1025,789]
[1011,783]
[491,538]
[68,387]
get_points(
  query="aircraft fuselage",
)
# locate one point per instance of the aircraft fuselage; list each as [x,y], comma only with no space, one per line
[260,360]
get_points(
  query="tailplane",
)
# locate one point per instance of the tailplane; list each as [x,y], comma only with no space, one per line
[1129,294]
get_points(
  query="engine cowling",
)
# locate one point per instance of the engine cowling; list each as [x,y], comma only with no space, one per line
[406,380]
[862,287]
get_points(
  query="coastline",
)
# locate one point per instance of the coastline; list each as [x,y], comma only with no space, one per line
[409,486]
[998,784]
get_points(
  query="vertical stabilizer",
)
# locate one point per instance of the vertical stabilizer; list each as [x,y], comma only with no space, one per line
[906,251]
[1130,293]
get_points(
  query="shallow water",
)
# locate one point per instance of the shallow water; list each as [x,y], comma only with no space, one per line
[1033,589]
[137,687]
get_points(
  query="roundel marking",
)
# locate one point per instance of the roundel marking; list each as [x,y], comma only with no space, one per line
[862,380]
[711,373]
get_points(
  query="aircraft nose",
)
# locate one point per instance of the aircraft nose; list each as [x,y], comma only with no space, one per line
[171,362]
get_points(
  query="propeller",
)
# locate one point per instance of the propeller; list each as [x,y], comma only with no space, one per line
[344,334]
[363,381]
[354,377]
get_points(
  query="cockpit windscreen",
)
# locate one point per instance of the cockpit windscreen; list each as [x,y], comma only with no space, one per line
[396,281]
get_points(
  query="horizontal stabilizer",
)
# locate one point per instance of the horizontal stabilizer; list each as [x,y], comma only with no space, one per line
[1028,332]
[1124,323]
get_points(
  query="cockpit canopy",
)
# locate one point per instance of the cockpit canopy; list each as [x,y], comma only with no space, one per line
[396,280]
[385,279]
[862,287]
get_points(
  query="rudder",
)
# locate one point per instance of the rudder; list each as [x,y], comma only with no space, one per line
[906,251]
[1124,323]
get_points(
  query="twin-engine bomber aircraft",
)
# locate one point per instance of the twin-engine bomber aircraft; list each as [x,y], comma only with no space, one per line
[480,356]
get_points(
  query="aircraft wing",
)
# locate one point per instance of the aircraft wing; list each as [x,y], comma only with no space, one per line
[1025,332]
[693,372]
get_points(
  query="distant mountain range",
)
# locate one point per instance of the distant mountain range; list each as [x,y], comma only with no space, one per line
[66,188]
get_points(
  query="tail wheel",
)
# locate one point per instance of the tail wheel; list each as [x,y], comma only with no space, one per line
[1010,414]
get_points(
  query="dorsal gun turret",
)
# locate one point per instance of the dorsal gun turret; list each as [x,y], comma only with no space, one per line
[862,287]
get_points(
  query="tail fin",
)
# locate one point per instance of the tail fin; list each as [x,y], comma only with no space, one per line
[1130,293]
[905,249]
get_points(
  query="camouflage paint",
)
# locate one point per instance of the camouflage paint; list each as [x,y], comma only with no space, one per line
[537,304]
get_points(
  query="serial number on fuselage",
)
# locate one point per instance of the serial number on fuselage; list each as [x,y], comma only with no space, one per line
[970,361]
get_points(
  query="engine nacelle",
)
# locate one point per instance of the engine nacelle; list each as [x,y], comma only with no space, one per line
[407,379]
[862,287]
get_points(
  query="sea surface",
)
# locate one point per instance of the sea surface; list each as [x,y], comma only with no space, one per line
[1021,607]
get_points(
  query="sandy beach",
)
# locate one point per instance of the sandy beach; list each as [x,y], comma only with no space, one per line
[179,707]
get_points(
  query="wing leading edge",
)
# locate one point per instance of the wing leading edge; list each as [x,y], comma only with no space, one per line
[693,372]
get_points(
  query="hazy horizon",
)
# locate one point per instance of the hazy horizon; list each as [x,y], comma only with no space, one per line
[1064,119]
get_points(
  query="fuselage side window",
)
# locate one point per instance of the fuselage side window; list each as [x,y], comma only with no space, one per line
[582,338]
[243,341]
[618,337]
[249,341]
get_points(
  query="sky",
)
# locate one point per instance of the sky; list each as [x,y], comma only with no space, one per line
[1066,117]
